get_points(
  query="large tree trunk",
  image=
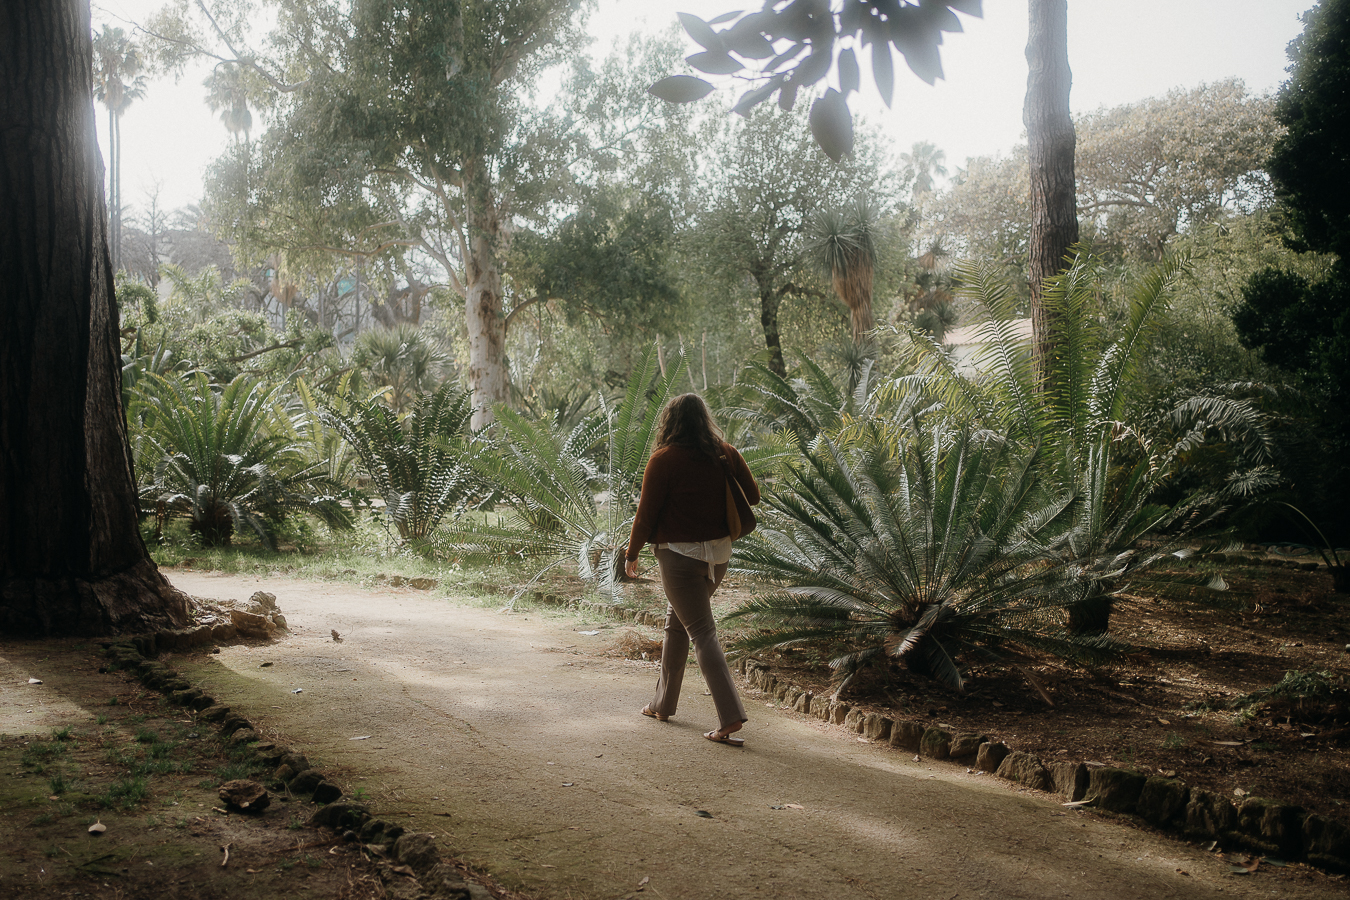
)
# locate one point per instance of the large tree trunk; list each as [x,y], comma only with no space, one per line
[1050,147]
[769,302]
[483,298]
[71,556]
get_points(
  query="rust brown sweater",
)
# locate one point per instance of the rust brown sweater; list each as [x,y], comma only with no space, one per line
[684,497]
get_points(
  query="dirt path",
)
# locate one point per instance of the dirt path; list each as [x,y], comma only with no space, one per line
[509,736]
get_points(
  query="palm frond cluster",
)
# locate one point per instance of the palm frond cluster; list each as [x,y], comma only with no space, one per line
[228,458]
[1000,506]
[993,510]
[570,493]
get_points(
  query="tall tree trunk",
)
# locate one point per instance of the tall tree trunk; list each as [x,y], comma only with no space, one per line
[853,286]
[483,297]
[1050,148]
[71,556]
[769,302]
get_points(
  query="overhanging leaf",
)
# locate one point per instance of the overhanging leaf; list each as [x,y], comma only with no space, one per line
[680,89]
[714,62]
[700,31]
[883,71]
[745,39]
[750,99]
[848,72]
[832,125]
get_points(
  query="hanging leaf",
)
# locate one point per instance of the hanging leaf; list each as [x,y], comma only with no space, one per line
[700,32]
[923,59]
[832,124]
[943,19]
[724,17]
[714,63]
[883,70]
[787,97]
[745,39]
[750,99]
[814,67]
[786,56]
[849,78]
[680,89]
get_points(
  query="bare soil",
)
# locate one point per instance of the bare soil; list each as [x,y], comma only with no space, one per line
[88,746]
[1166,708]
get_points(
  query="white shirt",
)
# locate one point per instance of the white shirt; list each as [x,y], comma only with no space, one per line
[714,553]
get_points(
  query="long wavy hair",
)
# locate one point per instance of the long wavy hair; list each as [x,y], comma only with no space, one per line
[687,422]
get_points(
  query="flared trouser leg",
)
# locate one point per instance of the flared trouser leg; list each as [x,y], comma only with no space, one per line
[689,619]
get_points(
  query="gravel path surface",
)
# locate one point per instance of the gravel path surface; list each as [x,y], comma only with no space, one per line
[519,744]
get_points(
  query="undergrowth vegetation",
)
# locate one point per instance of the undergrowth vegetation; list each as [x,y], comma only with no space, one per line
[921,508]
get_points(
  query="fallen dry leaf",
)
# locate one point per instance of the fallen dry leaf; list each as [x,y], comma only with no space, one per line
[97,828]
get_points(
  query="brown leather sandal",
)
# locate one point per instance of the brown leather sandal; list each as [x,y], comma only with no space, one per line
[647,711]
[717,737]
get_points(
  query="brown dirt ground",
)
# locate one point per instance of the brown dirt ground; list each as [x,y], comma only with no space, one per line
[1163,709]
[70,744]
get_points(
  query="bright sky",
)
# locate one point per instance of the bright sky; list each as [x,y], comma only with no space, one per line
[1119,52]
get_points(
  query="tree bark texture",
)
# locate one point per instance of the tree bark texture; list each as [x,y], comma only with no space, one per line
[770,300]
[71,556]
[483,298]
[1050,149]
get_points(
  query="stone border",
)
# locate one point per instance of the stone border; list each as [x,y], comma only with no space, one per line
[1257,824]
[396,852]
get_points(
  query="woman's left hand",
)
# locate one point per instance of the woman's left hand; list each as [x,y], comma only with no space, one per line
[630,568]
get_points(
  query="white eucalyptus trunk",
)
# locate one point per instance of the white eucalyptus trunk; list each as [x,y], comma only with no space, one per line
[483,300]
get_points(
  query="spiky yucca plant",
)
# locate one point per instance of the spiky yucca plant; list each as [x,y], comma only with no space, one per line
[225,458]
[419,463]
[942,549]
[844,242]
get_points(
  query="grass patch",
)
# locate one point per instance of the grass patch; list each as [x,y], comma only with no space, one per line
[236,770]
[146,736]
[124,793]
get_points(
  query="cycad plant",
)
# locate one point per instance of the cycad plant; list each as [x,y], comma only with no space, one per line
[225,458]
[419,463]
[1074,406]
[941,550]
[572,492]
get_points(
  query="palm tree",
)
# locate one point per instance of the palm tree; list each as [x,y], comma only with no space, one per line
[845,246]
[227,95]
[405,360]
[924,160]
[117,82]
[420,463]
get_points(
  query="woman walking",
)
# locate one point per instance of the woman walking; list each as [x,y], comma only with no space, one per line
[683,512]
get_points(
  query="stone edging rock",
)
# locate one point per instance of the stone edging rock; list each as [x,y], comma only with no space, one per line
[1257,824]
[399,855]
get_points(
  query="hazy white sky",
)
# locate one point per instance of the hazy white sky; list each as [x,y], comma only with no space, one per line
[1119,51]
